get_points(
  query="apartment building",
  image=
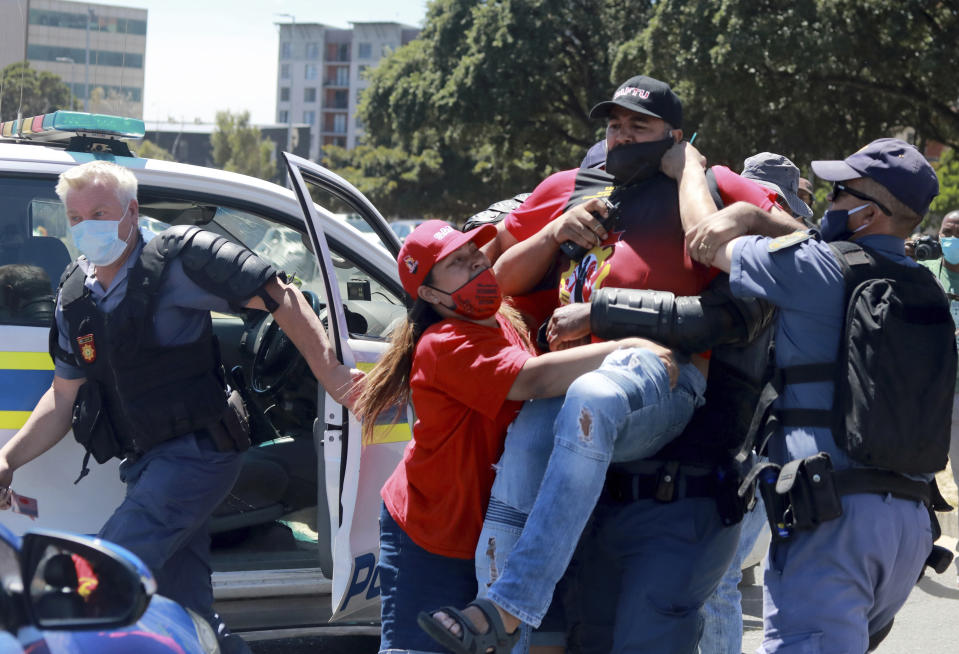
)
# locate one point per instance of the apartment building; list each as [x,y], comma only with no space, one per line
[98,50]
[320,76]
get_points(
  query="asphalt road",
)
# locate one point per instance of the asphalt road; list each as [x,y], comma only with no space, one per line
[927,624]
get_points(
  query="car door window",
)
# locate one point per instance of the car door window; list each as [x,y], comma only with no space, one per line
[35,248]
[370,305]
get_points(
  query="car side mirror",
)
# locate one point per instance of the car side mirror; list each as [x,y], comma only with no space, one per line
[80,582]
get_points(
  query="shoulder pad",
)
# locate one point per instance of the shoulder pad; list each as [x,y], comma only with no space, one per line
[170,241]
[495,213]
[222,267]
[71,287]
[67,272]
[788,240]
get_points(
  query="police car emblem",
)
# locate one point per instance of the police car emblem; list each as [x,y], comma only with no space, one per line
[88,349]
[789,240]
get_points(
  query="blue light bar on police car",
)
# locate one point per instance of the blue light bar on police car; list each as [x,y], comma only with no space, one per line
[61,125]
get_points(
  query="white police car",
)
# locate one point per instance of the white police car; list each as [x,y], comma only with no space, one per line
[297,540]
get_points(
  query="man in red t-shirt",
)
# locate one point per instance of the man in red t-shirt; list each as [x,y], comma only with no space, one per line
[649,566]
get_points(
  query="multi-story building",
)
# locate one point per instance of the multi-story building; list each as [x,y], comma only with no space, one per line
[98,50]
[320,76]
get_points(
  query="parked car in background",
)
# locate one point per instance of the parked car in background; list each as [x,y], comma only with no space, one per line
[358,223]
[402,228]
[64,593]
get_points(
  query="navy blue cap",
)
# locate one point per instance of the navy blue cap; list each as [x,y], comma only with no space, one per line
[892,163]
[644,95]
[595,156]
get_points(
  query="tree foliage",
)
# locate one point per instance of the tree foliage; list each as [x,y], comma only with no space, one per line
[490,99]
[812,79]
[150,150]
[494,95]
[947,168]
[34,92]
[239,147]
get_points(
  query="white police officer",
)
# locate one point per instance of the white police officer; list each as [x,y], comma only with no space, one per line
[147,361]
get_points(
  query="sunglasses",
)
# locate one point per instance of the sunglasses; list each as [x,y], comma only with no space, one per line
[838,188]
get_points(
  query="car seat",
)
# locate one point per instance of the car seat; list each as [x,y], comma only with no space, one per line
[47,252]
[61,600]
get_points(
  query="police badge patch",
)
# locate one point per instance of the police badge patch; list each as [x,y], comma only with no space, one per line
[88,349]
[789,240]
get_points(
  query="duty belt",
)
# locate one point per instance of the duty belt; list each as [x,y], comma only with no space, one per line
[858,480]
[671,482]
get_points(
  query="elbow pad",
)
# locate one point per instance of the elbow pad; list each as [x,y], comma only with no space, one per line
[692,323]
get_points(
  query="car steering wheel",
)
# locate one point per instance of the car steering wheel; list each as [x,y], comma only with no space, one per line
[276,360]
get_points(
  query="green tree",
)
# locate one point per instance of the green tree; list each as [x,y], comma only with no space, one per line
[240,148]
[947,168]
[811,79]
[490,99]
[33,92]
[150,150]
[494,95]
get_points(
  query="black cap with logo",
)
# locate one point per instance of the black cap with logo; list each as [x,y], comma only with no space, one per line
[644,95]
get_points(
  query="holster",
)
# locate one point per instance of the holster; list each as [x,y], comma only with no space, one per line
[730,505]
[813,498]
[91,424]
[236,419]
[799,495]
[232,431]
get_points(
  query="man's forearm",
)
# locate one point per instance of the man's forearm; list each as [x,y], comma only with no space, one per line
[775,222]
[305,329]
[522,266]
[724,255]
[301,324]
[695,200]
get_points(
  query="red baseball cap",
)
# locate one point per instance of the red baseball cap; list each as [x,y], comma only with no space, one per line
[430,242]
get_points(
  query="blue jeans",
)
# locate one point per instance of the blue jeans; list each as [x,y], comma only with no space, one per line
[723,611]
[644,570]
[830,588]
[413,580]
[171,492]
[623,411]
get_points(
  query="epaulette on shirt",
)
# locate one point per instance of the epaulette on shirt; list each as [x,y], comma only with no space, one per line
[789,240]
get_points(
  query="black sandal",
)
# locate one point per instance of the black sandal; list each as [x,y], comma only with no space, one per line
[494,640]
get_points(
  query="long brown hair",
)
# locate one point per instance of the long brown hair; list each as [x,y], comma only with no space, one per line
[388,384]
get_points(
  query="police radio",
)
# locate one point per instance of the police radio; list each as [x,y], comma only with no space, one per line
[575,251]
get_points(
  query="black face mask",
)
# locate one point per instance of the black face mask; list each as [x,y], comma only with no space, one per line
[635,162]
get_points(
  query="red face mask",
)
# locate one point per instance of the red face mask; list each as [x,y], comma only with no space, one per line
[479,298]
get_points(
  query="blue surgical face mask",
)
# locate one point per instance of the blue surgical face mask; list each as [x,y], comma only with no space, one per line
[950,248]
[834,224]
[99,240]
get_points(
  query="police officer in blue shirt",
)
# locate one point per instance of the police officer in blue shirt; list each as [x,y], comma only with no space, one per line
[147,361]
[835,587]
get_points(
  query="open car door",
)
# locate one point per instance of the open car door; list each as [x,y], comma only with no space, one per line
[354,474]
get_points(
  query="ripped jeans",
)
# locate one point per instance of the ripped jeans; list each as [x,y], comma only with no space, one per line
[554,466]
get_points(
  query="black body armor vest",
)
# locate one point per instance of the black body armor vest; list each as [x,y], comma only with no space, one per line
[149,393]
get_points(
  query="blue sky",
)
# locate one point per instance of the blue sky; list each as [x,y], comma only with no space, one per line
[206,55]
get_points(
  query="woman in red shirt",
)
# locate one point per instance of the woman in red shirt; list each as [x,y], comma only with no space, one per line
[465,361]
